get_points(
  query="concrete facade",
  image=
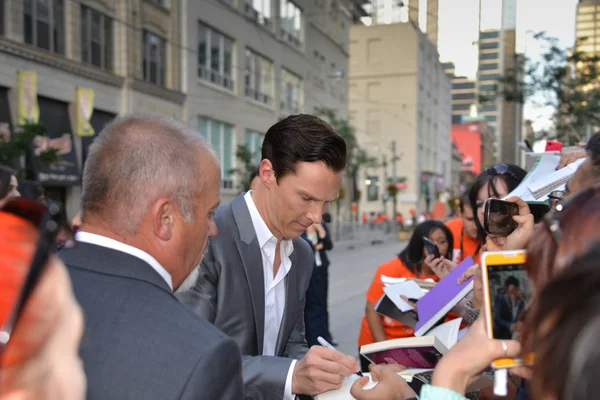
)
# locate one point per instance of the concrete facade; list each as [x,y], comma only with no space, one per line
[118,81]
[399,92]
[301,69]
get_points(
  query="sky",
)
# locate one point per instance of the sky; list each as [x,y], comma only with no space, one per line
[458,32]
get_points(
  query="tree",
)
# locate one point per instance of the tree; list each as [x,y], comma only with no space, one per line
[246,159]
[356,156]
[17,150]
[567,81]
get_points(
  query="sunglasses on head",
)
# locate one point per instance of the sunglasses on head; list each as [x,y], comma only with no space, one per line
[48,220]
[501,169]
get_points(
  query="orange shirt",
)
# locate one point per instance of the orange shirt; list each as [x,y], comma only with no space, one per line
[393,329]
[462,249]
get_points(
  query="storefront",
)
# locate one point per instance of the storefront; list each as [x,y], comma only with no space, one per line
[63,174]
[98,121]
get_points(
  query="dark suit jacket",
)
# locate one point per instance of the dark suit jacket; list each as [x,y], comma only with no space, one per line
[230,293]
[503,317]
[140,342]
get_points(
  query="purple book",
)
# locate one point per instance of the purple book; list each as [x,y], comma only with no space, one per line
[443,297]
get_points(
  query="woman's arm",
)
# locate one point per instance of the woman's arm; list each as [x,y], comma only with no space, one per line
[375,323]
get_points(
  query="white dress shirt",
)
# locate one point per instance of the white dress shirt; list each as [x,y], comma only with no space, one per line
[274,285]
[103,241]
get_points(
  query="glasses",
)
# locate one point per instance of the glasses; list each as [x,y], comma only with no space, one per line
[552,219]
[48,220]
[501,169]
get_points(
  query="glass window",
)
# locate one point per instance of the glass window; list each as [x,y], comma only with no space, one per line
[254,142]
[488,56]
[463,96]
[96,38]
[372,183]
[220,137]
[215,57]
[43,24]
[258,77]
[260,12]
[291,22]
[291,92]
[487,67]
[154,63]
[489,45]
[487,88]
[490,77]
[463,85]
[461,107]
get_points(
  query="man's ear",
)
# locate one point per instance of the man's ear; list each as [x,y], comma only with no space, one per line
[267,173]
[163,218]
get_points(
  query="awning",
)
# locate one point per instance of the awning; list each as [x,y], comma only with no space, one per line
[65,171]
[98,121]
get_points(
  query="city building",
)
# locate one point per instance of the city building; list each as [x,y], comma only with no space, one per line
[475,142]
[399,94]
[126,51]
[464,93]
[252,63]
[587,27]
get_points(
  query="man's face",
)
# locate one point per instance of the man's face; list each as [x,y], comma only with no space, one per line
[468,218]
[301,197]
[512,291]
[193,237]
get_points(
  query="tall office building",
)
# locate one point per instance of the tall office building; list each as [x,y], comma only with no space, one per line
[464,94]
[587,27]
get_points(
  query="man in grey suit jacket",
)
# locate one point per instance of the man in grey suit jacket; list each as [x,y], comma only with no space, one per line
[150,189]
[254,275]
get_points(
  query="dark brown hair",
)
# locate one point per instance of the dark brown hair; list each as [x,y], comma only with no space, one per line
[566,319]
[303,138]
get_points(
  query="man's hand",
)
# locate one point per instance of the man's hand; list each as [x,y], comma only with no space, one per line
[519,238]
[320,230]
[475,270]
[322,369]
[390,386]
[571,154]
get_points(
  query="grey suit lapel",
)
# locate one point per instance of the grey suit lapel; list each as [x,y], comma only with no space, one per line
[249,250]
[287,320]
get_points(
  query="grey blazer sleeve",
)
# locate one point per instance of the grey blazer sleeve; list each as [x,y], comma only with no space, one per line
[202,297]
[264,377]
[217,375]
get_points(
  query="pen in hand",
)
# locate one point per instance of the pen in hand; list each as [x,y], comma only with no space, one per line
[328,345]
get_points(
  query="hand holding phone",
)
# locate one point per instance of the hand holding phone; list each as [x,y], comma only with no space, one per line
[498,217]
[431,247]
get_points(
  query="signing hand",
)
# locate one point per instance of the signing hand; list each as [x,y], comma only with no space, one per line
[519,238]
[440,266]
[475,270]
[322,369]
[390,386]
[568,155]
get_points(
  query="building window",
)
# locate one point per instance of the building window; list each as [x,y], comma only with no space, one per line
[258,78]
[44,24]
[154,63]
[254,142]
[461,107]
[492,77]
[220,137]
[463,85]
[372,183]
[489,35]
[489,45]
[291,22]
[487,67]
[463,96]
[488,56]
[259,11]
[1,17]
[488,108]
[215,57]
[491,118]
[487,88]
[96,38]
[291,92]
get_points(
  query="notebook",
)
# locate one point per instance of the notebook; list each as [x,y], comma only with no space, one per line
[443,297]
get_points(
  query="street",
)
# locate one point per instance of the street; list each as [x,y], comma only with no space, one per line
[350,275]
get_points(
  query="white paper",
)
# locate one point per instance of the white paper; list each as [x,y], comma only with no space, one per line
[501,382]
[447,333]
[409,289]
[388,280]
[462,333]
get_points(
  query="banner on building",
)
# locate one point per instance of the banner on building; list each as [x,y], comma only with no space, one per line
[27,108]
[85,108]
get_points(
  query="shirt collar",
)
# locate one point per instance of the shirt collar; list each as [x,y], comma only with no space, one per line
[103,241]
[263,233]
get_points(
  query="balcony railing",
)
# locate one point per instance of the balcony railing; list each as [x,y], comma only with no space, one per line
[215,77]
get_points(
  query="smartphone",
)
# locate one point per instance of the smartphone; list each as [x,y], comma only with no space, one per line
[498,217]
[431,247]
[507,292]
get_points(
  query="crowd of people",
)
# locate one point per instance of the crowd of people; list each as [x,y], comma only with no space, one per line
[166,294]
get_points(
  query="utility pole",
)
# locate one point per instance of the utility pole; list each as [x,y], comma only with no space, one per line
[394,159]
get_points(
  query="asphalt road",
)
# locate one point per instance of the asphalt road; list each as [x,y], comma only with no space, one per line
[350,273]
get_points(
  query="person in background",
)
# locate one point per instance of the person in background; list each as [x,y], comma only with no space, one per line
[41,360]
[408,264]
[254,180]
[8,185]
[464,231]
[32,190]
[315,308]
[150,188]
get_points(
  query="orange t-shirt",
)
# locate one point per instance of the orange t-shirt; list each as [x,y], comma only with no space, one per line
[469,245]
[393,329]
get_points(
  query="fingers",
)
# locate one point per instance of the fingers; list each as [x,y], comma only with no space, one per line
[496,349]
[468,274]
[332,361]
[523,207]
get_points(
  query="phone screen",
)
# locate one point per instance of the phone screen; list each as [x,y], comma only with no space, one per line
[431,247]
[510,292]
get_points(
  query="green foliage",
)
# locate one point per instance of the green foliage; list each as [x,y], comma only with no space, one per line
[18,147]
[566,81]
[246,160]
